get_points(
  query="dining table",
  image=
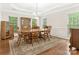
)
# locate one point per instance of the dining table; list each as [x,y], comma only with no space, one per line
[27,34]
[30,31]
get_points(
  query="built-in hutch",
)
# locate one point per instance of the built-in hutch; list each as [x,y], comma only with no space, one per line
[74,30]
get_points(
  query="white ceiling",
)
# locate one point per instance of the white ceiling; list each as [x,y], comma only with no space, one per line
[31,7]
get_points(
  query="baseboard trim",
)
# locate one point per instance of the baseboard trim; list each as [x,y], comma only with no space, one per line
[59,37]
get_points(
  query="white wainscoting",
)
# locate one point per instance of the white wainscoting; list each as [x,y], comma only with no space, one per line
[61,32]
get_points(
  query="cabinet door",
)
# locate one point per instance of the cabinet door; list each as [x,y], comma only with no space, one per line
[25,23]
[75,37]
[3,29]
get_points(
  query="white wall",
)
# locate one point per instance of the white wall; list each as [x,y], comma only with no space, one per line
[59,24]
[0,14]
[0,21]
[5,16]
[59,21]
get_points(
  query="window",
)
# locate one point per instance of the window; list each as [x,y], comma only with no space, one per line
[74,20]
[44,22]
[34,22]
[13,21]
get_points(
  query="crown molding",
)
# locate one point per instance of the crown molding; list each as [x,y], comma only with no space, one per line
[43,13]
[67,7]
[17,12]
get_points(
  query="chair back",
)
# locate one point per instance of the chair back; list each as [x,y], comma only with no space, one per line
[46,32]
[45,27]
[49,29]
[34,34]
[36,27]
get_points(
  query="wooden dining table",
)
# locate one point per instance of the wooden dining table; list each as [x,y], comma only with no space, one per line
[26,32]
[32,30]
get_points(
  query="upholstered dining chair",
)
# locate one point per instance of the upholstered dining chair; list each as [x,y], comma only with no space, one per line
[27,37]
[36,27]
[19,39]
[45,34]
[49,29]
[34,37]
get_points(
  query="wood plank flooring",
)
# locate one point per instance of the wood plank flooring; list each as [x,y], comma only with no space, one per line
[4,47]
[61,48]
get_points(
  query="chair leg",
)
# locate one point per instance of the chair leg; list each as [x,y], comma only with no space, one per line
[18,42]
[32,42]
[48,38]
[70,47]
[51,36]
[37,41]
[44,39]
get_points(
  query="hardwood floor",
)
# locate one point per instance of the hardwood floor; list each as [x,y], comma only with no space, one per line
[4,47]
[61,48]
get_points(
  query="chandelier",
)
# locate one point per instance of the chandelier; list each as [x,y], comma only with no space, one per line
[35,11]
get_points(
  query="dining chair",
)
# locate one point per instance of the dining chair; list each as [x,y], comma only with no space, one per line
[34,37]
[45,34]
[49,29]
[36,27]
[27,37]
[19,39]
[45,27]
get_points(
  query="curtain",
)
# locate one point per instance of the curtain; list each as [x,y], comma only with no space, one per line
[13,21]
[44,22]
[34,22]
[74,20]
